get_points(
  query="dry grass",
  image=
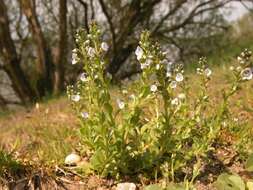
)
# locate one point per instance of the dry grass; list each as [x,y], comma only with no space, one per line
[45,133]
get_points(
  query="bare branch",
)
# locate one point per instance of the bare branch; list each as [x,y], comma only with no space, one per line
[109,19]
[85,6]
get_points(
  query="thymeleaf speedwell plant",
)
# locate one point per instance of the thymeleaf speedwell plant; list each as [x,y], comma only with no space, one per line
[154,126]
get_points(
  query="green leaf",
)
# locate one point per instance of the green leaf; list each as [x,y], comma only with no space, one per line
[229,182]
[250,185]
[249,163]
[153,187]
[98,160]
[174,186]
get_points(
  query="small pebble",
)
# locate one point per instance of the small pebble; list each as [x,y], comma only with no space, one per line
[126,186]
[72,159]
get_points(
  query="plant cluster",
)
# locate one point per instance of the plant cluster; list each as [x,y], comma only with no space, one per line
[154,126]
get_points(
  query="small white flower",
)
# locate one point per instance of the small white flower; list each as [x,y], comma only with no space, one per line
[139,53]
[120,103]
[75,98]
[104,46]
[165,53]
[74,50]
[83,77]
[74,57]
[109,75]
[157,66]
[168,74]
[179,77]
[144,66]
[153,88]
[147,63]
[231,68]
[238,68]
[173,84]
[181,96]
[247,74]
[175,102]
[85,115]
[169,67]
[132,96]
[91,52]
[124,91]
[74,61]
[208,72]
[87,42]
[239,58]
[224,124]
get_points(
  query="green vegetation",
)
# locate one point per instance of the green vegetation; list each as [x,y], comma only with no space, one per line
[159,125]
[8,164]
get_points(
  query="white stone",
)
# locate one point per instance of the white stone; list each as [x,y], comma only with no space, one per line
[72,159]
[126,186]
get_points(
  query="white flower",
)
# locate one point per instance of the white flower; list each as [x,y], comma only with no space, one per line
[173,84]
[147,63]
[132,96]
[74,57]
[83,77]
[247,74]
[153,88]
[231,68]
[175,102]
[109,75]
[85,115]
[238,68]
[87,42]
[124,91]
[139,53]
[181,96]
[75,98]
[91,52]
[120,103]
[168,74]
[74,61]
[144,66]
[208,72]
[169,66]
[104,46]
[179,77]
[198,70]
[157,66]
